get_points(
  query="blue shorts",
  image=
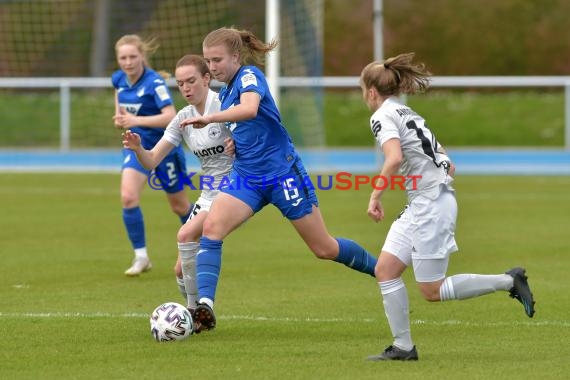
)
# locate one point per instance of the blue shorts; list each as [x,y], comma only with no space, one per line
[167,173]
[292,193]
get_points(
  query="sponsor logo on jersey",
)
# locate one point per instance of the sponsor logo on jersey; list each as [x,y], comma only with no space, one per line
[162,93]
[209,151]
[131,107]
[248,79]
[214,132]
[140,92]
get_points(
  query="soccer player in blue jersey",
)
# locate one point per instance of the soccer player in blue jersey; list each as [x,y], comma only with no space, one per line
[212,145]
[267,169]
[144,106]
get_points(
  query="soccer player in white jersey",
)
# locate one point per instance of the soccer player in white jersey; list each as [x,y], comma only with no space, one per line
[209,144]
[424,234]
[143,105]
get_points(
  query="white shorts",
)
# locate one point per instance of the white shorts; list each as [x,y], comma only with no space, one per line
[425,230]
[430,270]
[201,205]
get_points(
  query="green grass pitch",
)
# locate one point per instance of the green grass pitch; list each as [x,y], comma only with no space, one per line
[68,312]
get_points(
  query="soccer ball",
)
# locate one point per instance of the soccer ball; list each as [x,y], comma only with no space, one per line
[171,321]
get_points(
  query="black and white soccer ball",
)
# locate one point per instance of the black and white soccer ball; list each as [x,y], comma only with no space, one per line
[171,321]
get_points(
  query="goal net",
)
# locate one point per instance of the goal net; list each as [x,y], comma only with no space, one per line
[75,38]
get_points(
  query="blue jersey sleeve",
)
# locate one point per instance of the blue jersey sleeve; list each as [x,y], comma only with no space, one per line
[251,79]
[263,145]
[161,93]
[116,78]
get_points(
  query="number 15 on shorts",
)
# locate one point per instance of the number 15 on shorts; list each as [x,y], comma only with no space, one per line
[290,189]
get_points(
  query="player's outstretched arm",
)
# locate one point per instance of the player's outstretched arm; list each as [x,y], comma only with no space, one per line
[149,159]
[247,109]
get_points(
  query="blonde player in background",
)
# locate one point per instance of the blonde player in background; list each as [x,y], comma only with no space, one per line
[212,145]
[143,105]
[424,233]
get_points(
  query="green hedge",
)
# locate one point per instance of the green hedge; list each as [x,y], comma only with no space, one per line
[514,118]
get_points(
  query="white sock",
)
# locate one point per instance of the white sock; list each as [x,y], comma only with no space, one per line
[395,299]
[463,286]
[207,301]
[181,287]
[140,253]
[188,253]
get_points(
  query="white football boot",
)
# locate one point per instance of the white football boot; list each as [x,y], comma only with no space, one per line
[139,265]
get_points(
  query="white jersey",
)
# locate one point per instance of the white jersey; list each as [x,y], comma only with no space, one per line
[420,149]
[206,143]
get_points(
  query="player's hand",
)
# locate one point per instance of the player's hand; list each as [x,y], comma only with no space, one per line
[116,118]
[116,122]
[196,122]
[451,170]
[230,148]
[375,209]
[124,119]
[131,140]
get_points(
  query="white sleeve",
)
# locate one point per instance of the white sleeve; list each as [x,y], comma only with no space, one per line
[383,128]
[173,132]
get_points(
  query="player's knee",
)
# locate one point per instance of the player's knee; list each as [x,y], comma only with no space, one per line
[212,230]
[322,254]
[129,200]
[188,233]
[183,236]
[380,273]
[324,251]
[180,208]
[385,271]
[430,292]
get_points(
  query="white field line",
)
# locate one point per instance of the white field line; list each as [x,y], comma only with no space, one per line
[105,191]
[451,322]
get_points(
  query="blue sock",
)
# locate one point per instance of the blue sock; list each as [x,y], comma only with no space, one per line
[134,222]
[208,265]
[354,256]
[185,217]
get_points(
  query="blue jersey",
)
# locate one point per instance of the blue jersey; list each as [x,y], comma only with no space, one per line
[146,97]
[263,146]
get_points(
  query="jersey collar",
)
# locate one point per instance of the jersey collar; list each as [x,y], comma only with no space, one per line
[224,90]
[138,80]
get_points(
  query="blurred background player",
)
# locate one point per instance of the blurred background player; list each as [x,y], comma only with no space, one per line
[143,105]
[208,144]
[424,233]
[266,169]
